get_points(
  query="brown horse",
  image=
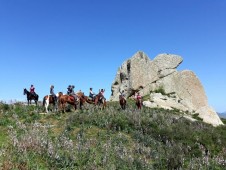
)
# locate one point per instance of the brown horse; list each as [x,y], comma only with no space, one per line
[139,103]
[66,99]
[49,99]
[100,101]
[82,99]
[122,102]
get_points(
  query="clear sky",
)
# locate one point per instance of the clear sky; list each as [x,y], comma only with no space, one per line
[83,42]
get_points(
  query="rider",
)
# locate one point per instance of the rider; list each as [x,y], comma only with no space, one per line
[69,90]
[72,92]
[52,92]
[122,94]
[32,90]
[91,93]
[138,97]
[101,94]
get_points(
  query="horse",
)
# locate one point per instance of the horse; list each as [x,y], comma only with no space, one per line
[49,99]
[100,100]
[85,99]
[82,99]
[68,99]
[31,96]
[122,102]
[139,103]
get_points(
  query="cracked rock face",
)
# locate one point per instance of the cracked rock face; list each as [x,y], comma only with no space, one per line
[140,73]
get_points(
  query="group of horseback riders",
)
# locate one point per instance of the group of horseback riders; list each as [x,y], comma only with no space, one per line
[123,95]
[71,92]
[92,95]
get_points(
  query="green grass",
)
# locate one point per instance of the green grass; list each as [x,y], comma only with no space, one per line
[108,139]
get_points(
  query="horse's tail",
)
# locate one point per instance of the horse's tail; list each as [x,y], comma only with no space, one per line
[44,101]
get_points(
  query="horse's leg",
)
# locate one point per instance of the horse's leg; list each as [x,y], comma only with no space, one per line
[124,105]
[81,104]
[63,107]
[139,105]
[47,104]
[56,107]
[75,106]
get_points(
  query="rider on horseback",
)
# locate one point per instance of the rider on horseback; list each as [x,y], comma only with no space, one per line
[122,94]
[102,91]
[71,92]
[138,96]
[101,94]
[138,100]
[52,93]
[91,93]
[32,90]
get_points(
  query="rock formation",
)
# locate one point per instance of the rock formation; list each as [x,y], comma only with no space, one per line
[179,89]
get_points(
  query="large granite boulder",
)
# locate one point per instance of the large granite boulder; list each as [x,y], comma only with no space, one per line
[182,89]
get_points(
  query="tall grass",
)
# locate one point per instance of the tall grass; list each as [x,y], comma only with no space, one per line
[108,139]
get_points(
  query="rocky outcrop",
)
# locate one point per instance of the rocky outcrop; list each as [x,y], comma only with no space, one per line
[182,89]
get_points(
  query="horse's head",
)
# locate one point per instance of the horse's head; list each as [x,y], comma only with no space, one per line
[25,91]
[59,94]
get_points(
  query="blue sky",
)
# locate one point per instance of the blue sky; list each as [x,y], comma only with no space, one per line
[83,42]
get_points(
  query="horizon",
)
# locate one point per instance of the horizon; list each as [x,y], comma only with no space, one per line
[83,43]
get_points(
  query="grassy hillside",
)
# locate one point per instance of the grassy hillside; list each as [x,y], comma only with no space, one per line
[108,139]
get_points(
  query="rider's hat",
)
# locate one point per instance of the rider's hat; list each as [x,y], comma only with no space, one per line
[73,86]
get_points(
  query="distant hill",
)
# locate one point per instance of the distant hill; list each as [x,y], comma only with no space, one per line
[222,115]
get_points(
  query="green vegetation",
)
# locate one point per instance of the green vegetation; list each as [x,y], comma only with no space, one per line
[160,90]
[108,139]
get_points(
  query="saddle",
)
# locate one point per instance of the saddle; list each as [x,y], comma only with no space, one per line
[33,95]
[72,97]
[54,98]
[91,99]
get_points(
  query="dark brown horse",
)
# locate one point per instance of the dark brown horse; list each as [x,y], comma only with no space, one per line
[122,102]
[30,97]
[139,103]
